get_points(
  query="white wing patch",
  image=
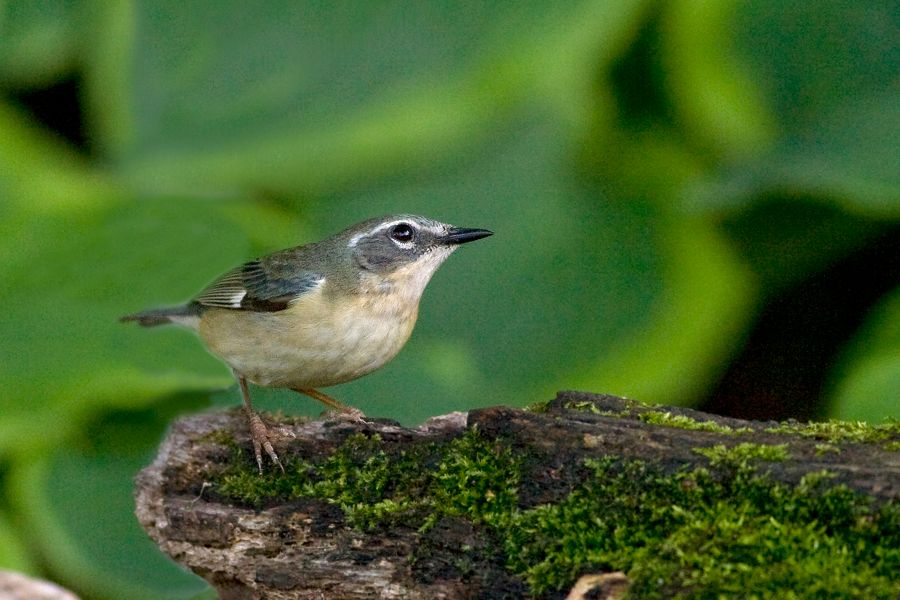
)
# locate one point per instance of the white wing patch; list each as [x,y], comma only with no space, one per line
[235,300]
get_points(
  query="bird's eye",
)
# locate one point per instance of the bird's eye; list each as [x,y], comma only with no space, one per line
[402,232]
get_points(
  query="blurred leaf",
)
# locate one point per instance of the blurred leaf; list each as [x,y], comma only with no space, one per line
[38,40]
[40,175]
[684,339]
[867,380]
[79,507]
[13,555]
[810,57]
[106,75]
[784,240]
[687,339]
[828,72]
[75,257]
[68,279]
[720,106]
[302,96]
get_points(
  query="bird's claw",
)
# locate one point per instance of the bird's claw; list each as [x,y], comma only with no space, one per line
[262,440]
[348,413]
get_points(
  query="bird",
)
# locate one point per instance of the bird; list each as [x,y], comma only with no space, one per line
[318,314]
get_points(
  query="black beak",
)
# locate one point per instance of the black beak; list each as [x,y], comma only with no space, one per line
[461,235]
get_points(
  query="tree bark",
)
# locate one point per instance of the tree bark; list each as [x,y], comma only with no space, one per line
[303,548]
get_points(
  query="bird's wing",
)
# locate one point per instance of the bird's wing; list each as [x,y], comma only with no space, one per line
[267,284]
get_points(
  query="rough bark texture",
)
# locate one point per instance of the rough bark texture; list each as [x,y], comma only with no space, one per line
[304,548]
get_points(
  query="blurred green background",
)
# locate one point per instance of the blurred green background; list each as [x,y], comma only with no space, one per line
[694,203]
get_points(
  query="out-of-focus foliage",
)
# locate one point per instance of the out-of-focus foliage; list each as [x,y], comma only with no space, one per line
[13,555]
[76,503]
[828,73]
[866,386]
[654,172]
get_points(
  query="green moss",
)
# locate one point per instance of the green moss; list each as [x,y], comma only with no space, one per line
[842,431]
[698,534]
[469,477]
[725,530]
[587,406]
[825,448]
[741,454]
[476,479]
[656,417]
[830,432]
[538,407]
[219,437]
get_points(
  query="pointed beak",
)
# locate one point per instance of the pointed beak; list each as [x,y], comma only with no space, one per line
[461,235]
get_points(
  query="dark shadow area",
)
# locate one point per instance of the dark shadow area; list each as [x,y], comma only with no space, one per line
[57,107]
[783,367]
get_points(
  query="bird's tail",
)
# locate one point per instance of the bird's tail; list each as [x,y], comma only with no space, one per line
[186,314]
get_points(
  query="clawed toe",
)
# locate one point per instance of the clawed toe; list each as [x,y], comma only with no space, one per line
[259,433]
[285,432]
[353,415]
[262,440]
[343,411]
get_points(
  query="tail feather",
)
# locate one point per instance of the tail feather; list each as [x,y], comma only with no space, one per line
[182,315]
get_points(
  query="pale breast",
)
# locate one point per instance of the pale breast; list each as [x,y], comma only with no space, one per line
[316,342]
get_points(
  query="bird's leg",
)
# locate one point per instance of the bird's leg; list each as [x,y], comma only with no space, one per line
[331,402]
[259,434]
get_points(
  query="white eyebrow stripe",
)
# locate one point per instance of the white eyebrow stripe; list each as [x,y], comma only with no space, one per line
[355,239]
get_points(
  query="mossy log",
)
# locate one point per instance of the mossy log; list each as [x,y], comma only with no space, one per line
[446,534]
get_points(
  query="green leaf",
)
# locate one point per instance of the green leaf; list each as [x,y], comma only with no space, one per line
[688,337]
[38,40]
[300,96]
[827,72]
[867,380]
[39,175]
[13,555]
[79,508]
[68,278]
[722,108]
[784,240]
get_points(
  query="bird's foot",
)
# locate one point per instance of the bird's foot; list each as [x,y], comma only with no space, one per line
[338,409]
[262,440]
[348,413]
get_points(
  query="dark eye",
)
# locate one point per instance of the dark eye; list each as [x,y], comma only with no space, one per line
[402,232]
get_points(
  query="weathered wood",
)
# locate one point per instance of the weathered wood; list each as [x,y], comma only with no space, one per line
[304,548]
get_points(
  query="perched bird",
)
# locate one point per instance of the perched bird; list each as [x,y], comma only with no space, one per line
[319,314]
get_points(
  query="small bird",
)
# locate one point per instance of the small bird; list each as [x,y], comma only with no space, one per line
[319,314]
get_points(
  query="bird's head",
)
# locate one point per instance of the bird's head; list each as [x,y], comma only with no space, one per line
[405,250]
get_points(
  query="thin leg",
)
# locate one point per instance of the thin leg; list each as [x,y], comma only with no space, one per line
[331,402]
[258,431]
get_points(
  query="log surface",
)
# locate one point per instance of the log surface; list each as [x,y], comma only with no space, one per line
[304,548]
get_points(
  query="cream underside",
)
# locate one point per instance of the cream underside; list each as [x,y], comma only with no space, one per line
[310,344]
[320,341]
